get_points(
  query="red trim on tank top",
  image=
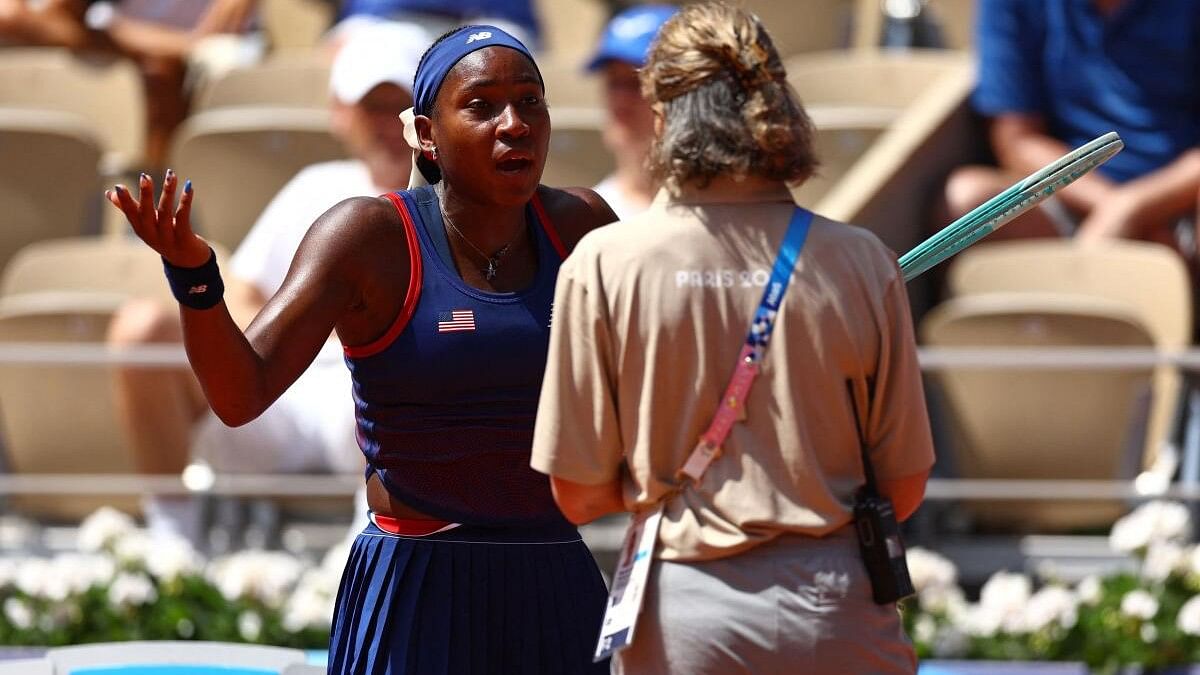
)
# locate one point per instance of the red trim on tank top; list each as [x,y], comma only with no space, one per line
[548,226]
[410,297]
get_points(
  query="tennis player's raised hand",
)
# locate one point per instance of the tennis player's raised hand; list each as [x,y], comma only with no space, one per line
[163,227]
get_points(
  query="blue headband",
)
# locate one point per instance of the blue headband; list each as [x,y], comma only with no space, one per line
[443,56]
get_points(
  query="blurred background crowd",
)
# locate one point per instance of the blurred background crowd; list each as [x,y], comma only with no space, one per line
[277,109]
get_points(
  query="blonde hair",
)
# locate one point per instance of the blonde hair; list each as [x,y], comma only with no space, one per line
[726,104]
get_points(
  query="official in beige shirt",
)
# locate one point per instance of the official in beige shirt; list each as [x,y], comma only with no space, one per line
[757,565]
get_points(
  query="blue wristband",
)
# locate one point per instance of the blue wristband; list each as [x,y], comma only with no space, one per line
[196,287]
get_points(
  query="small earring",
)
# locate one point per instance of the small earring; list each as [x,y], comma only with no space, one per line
[433,152]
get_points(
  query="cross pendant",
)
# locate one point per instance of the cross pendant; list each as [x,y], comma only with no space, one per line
[490,272]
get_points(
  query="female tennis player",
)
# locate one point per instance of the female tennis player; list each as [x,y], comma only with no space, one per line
[758,569]
[441,296]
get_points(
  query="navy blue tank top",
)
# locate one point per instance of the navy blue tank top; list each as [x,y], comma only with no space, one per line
[446,399]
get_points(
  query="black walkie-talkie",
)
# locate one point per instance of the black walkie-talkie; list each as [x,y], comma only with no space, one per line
[878,530]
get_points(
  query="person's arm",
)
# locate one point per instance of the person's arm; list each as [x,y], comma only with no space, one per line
[1148,206]
[582,503]
[242,374]
[1022,146]
[56,23]
[577,438]
[905,493]
[897,426]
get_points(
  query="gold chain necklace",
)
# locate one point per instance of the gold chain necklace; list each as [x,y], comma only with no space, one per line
[493,260]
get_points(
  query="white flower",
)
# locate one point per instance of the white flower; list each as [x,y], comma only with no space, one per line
[1153,522]
[1189,616]
[1089,590]
[311,605]
[1149,632]
[18,613]
[266,576]
[249,625]
[948,600]
[930,570]
[173,557]
[1002,601]
[1050,605]
[924,629]
[1139,604]
[103,528]
[135,547]
[37,578]
[80,571]
[1162,559]
[130,589]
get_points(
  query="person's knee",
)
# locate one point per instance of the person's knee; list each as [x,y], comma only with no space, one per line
[144,321]
[970,186]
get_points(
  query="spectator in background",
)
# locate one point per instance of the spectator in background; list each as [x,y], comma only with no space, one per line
[173,42]
[629,130]
[1054,74]
[438,16]
[311,427]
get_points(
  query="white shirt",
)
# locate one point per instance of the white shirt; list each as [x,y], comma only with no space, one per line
[612,193]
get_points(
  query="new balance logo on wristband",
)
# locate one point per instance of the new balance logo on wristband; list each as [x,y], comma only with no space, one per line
[202,288]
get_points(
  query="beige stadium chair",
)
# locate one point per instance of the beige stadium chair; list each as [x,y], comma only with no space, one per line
[295,24]
[49,185]
[65,291]
[570,28]
[299,79]
[1014,423]
[107,94]
[577,156]
[1149,278]
[238,158]
[174,653]
[894,124]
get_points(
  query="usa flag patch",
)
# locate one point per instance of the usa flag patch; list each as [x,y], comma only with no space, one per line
[456,321]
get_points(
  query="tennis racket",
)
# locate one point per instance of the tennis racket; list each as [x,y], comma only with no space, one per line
[1017,199]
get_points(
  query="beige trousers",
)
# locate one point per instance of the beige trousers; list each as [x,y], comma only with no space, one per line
[794,605]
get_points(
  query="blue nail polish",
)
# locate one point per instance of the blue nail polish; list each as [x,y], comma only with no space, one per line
[187,186]
[118,189]
[144,176]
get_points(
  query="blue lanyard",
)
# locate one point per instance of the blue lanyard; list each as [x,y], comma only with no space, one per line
[781,275]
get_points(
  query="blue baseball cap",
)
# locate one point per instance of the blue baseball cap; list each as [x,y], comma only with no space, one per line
[628,36]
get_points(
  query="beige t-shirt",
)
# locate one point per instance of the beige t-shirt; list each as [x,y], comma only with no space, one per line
[649,317]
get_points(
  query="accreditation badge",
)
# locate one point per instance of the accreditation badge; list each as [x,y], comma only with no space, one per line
[629,584]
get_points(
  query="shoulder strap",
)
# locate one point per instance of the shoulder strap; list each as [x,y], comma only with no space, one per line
[411,296]
[548,226]
[732,408]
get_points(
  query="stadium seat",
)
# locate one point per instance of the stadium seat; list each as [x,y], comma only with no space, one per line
[295,24]
[1149,278]
[238,158]
[106,94]
[299,79]
[235,659]
[49,185]
[1018,423]
[577,154]
[65,291]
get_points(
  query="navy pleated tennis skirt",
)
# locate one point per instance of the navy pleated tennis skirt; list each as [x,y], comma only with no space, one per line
[471,600]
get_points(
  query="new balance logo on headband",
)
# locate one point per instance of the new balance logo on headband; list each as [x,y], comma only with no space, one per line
[482,35]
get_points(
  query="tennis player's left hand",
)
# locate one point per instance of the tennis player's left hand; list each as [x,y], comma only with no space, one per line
[164,228]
